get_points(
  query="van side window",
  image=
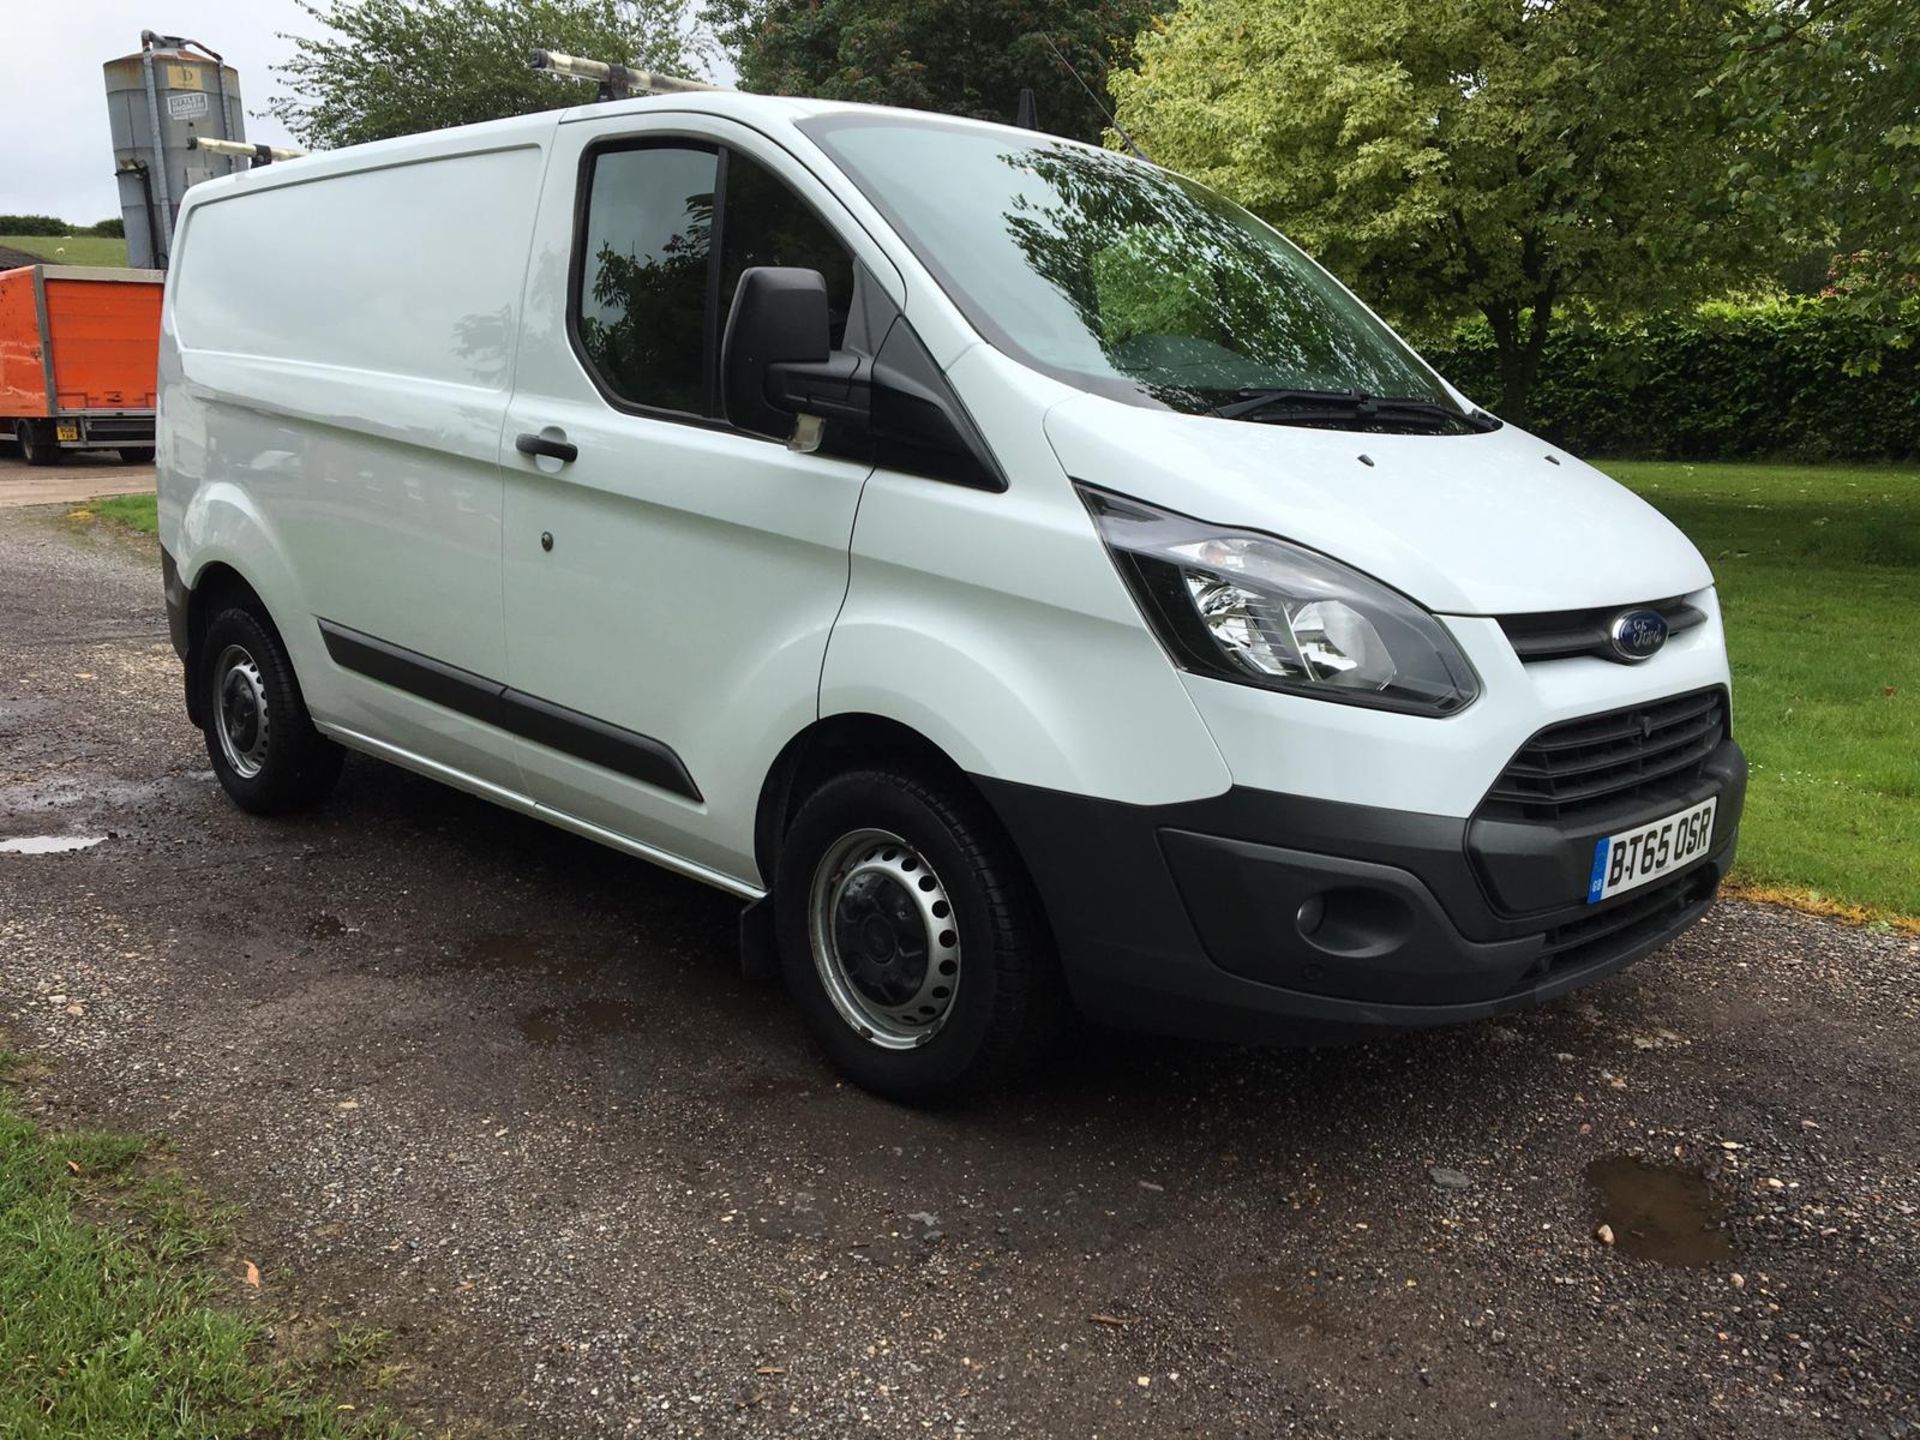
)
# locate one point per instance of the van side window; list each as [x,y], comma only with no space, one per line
[765,223]
[655,285]
[645,267]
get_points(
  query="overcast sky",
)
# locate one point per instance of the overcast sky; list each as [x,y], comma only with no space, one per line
[53,105]
[53,102]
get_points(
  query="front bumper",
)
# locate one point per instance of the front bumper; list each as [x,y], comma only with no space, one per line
[1260,916]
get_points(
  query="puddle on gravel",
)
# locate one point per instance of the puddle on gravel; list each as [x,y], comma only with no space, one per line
[48,844]
[1663,1213]
[574,1024]
[1270,1310]
[325,927]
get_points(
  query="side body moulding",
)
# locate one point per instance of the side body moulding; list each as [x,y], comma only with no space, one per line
[490,701]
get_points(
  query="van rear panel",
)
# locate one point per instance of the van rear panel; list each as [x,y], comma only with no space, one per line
[412,270]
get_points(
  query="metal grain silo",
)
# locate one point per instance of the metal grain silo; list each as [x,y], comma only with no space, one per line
[158,100]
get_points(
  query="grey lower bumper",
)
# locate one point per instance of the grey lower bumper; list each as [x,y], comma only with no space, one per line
[1243,915]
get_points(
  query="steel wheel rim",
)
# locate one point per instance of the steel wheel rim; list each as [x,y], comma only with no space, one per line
[886,942]
[240,712]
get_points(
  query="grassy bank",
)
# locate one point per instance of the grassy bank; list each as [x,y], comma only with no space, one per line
[70,249]
[115,1320]
[1819,573]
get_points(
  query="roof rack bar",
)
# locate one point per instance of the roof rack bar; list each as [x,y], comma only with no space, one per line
[616,81]
[259,154]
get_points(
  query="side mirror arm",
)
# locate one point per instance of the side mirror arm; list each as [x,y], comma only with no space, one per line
[837,390]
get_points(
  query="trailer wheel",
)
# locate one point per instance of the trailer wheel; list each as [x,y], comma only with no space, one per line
[136,454]
[36,442]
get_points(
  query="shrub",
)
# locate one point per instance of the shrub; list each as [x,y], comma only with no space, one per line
[1724,382]
[114,229]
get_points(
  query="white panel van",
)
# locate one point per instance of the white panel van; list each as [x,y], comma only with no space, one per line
[1020,574]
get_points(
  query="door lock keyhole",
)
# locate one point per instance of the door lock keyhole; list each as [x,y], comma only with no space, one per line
[546,540]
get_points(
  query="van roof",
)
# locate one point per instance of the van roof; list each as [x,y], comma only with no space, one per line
[737,103]
[495,134]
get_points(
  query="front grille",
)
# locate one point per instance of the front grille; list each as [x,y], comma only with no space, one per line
[1558,634]
[1630,921]
[1600,760]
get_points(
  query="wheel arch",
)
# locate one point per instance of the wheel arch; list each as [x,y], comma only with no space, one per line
[228,554]
[830,746]
[218,586]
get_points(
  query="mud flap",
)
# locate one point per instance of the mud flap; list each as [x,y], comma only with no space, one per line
[759,949]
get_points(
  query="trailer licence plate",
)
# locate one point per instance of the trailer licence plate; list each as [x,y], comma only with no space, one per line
[1646,852]
[66,432]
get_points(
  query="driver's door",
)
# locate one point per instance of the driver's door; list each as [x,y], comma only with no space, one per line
[670,582]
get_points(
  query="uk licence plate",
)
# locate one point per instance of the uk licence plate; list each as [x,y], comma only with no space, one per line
[1646,852]
[66,432]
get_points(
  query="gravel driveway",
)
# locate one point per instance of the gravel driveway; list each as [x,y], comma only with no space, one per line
[504,1093]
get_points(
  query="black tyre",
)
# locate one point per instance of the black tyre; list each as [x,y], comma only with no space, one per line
[260,737]
[911,938]
[37,446]
[136,454]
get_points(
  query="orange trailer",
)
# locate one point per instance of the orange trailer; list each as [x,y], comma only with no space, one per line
[78,349]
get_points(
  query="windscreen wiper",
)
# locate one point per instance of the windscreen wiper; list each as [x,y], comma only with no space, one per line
[1315,405]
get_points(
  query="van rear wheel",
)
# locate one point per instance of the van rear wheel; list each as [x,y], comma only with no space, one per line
[911,938]
[260,738]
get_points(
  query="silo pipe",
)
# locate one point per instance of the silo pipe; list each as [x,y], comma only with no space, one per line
[140,168]
[157,170]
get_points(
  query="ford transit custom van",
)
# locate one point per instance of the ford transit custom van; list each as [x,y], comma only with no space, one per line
[1020,575]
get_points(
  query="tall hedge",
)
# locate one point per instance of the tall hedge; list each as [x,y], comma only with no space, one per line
[1725,382]
[33,225]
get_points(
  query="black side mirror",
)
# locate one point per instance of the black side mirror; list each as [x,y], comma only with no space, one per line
[777,361]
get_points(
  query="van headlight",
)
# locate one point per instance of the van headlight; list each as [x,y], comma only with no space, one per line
[1249,608]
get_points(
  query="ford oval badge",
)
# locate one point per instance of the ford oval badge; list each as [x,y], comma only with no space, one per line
[1637,635]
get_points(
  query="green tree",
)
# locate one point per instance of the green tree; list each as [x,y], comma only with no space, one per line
[397,67]
[1515,157]
[1828,93]
[960,57]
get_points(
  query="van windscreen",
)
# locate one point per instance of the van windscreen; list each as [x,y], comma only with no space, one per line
[1114,275]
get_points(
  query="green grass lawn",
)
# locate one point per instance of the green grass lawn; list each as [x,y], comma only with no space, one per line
[115,1321]
[1819,573]
[136,512]
[70,249]
[1819,576]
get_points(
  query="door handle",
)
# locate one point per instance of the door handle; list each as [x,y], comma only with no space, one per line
[565,451]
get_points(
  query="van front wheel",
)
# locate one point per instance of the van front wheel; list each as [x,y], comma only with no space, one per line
[260,738]
[911,938]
